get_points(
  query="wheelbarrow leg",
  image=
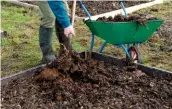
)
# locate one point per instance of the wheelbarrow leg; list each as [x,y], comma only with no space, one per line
[123,8]
[125,49]
[85,9]
[128,46]
[102,47]
[92,43]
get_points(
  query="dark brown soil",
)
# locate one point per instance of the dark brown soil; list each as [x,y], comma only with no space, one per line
[99,7]
[87,84]
[141,19]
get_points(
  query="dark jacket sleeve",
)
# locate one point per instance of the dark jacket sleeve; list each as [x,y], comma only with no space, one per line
[59,10]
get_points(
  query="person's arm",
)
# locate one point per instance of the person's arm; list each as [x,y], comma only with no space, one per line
[60,12]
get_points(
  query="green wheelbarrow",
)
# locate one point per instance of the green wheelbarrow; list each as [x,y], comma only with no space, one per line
[127,35]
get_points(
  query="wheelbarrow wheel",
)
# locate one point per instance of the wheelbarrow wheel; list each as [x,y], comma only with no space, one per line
[134,56]
[139,58]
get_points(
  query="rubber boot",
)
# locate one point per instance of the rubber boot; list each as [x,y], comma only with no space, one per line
[63,40]
[45,42]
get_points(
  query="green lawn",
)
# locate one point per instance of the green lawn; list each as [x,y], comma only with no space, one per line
[22,50]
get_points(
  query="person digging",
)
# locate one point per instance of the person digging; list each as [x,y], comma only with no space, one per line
[54,13]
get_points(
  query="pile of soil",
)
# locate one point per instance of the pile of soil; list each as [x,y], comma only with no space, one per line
[140,18]
[77,82]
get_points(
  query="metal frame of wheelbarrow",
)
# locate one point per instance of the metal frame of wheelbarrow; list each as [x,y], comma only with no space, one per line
[151,71]
[124,46]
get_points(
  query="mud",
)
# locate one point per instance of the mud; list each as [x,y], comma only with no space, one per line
[73,82]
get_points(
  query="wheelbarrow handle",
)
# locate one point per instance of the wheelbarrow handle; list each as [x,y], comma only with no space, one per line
[123,7]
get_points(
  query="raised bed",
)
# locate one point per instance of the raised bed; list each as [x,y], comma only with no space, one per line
[96,7]
[144,88]
[100,7]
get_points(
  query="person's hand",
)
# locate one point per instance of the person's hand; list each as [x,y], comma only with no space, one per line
[69,31]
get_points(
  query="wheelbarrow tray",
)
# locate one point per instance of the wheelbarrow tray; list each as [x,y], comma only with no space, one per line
[96,56]
[123,32]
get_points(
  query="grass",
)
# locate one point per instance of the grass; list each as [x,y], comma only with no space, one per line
[164,10]
[22,50]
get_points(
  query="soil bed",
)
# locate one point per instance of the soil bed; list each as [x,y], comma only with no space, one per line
[98,7]
[86,83]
